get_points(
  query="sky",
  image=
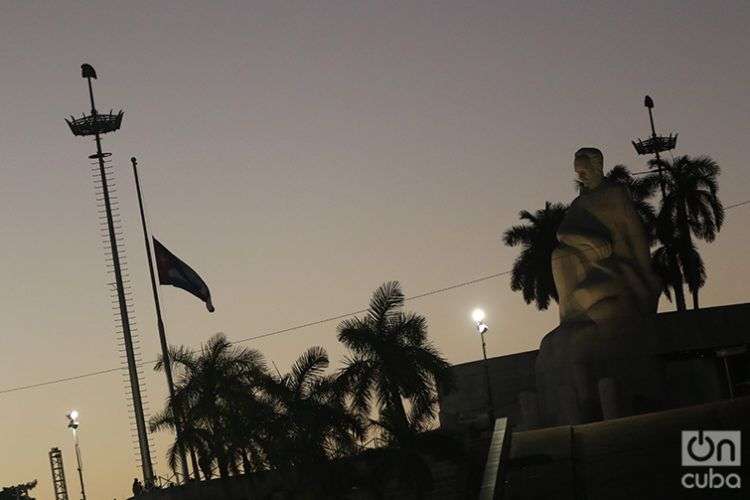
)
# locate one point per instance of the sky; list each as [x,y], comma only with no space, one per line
[299,154]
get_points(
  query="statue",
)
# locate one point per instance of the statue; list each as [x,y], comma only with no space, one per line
[602,268]
[601,361]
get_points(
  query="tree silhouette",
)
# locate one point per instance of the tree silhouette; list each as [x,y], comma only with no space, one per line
[18,492]
[313,423]
[691,208]
[641,191]
[392,361]
[220,390]
[532,270]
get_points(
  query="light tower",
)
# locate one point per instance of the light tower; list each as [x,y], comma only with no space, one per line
[478,316]
[59,485]
[96,125]
[656,144]
[73,426]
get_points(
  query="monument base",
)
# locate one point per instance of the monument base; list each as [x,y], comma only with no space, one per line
[587,372]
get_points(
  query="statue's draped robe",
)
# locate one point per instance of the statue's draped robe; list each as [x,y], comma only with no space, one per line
[602,268]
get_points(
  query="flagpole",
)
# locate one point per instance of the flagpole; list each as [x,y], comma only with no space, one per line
[166,361]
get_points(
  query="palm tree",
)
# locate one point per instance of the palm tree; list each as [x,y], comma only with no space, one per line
[641,190]
[393,361]
[667,263]
[532,270]
[313,423]
[220,392]
[691,208]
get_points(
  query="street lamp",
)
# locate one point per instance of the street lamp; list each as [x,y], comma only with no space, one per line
[478,316]
[73,426]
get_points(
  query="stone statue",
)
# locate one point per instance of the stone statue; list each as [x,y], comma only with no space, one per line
[602,268]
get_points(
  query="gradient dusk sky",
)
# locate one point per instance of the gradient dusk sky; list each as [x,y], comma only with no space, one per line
[298,154]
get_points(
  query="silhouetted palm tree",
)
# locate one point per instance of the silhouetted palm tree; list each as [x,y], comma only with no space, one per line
[313,423]
[532,270]
[641,191]
[393,361]
[690,209]
[191,438]
[18,492]
[220,391]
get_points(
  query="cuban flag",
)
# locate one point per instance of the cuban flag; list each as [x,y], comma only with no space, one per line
[172,271]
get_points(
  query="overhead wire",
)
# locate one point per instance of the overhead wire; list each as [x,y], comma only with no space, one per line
[291,328]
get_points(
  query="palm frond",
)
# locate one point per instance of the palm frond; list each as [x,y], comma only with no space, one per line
[358,334]
[357,376]
[385,299]
[310,365]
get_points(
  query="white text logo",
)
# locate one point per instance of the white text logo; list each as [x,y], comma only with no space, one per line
[709,449]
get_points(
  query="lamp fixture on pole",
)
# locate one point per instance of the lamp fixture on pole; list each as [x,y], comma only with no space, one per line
[478,316]
[73,426]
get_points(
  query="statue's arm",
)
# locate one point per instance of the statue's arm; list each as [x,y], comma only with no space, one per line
[593,247]
[573,233]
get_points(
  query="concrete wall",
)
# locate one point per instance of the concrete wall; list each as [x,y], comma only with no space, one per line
[628,458]
[361,477]
[686,346]
[467,404]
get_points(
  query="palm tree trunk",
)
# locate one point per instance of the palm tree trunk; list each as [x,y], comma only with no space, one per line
[205,464]
[675,278]
[194,461]
[223,465]
[679,291]
[246,464]
[687,243]
[398,407]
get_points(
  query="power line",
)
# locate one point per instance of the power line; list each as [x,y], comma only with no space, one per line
[361,311]
[264,335]
[60,380]
[296,327]
[737,205]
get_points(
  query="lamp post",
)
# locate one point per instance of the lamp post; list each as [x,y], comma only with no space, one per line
[478,316]
[73,425]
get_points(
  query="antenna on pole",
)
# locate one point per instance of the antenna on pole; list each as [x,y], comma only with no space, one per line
[656,144]
[88,72]
[96,125]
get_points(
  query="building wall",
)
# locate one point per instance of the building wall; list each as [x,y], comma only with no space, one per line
[467,405]
[629,458]
[690,347]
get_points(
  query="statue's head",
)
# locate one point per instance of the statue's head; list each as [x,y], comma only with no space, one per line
[589,165]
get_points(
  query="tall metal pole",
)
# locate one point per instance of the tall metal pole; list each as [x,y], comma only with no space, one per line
[656,145]
[140,421]
[490,405]
[649,103]
[80,465]
[146,465]
[167,362]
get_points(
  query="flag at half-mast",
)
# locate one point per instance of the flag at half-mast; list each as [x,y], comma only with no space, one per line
[173,271]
